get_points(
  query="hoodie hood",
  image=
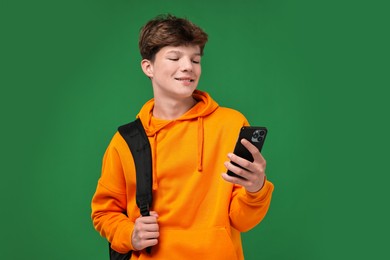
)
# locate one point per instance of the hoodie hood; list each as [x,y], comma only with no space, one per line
[205,106]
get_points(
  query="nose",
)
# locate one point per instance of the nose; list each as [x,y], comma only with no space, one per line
[186,64]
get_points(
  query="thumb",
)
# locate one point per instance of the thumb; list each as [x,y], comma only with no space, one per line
[154,214]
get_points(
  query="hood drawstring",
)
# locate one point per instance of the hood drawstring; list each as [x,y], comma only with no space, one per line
[200,144]
[204,107]
[154,162]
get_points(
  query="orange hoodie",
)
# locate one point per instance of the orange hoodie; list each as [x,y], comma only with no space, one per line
[200,214]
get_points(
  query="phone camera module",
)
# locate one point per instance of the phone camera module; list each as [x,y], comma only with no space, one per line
[258,135]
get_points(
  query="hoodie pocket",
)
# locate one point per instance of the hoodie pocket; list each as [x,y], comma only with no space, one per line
[212,243]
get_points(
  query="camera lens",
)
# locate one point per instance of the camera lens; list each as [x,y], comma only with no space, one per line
[262,132]
[259,138]
[256,134]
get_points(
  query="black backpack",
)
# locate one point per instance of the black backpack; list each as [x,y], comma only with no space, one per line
[138,142]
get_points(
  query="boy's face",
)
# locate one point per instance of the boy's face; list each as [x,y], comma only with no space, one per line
[175,71]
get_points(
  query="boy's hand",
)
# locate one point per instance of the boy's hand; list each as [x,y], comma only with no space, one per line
[254,175]
[146,232]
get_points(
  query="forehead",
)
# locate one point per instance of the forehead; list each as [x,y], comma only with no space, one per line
[182,49]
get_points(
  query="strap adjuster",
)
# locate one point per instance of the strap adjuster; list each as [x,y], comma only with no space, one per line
[144,209]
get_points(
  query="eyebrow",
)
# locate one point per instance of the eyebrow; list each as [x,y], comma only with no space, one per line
[179,52]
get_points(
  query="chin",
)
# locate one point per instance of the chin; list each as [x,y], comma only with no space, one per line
[186,94]
[186,90]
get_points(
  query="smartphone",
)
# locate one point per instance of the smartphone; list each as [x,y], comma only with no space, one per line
[254,134]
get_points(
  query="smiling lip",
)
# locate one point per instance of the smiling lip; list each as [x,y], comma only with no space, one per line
[185,79]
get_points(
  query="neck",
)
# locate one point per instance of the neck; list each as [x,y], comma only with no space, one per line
[169,109]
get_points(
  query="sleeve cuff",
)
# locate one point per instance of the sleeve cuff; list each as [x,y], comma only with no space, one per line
[267,188]
[122,242]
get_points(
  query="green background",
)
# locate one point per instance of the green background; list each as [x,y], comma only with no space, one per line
[316,73]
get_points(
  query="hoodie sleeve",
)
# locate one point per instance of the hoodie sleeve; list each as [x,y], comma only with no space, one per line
[251,207]
[109,204]
[248,206]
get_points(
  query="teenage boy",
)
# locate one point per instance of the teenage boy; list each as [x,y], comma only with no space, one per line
[198,210]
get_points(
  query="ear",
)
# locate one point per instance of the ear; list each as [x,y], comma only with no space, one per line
[147,67]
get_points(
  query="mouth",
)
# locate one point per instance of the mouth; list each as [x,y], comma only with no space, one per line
[185,79]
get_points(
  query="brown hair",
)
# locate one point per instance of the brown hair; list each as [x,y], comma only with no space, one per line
[168,30]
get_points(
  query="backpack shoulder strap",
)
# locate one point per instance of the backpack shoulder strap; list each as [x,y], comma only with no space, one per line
[138,142]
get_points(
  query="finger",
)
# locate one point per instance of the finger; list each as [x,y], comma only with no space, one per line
[145,243]
[253,150]
[154,213]
[247,165]
[234,180]
[148,243]
[147,220]
[235,169]
[144,239]
[149,235]
[151,227]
